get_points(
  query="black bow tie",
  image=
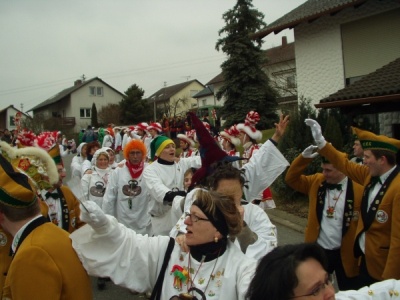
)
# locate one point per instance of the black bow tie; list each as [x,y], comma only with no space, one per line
[359,160]
[333,186]
[52,195]
[375,180]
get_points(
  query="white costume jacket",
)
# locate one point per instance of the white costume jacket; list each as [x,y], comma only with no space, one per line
[134,261]
[128,201]
[256,219]
[161,179]
[94,185]
[76,166]
[263,168]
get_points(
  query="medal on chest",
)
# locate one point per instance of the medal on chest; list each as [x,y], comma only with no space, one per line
[132,189]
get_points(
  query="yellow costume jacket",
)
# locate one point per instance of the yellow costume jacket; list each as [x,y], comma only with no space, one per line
[46,267]
[310,185]
[70,214]
[5,257]
[382,222]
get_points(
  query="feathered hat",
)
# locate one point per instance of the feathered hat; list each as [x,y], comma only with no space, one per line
[231,134]
[156,126]
[249,126]
[25,138]
[188,137]
[143,126]
[34,162]
[48,141]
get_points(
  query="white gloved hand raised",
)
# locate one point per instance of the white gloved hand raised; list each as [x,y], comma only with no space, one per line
[316,132]
[92,214]
[309,152]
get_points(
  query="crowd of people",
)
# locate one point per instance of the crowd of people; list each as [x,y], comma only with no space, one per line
[195,225]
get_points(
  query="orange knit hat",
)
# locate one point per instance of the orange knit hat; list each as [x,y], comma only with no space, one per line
[135,144]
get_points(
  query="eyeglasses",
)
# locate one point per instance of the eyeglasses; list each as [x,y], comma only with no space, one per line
[133,153]
[318,289]
[195,218]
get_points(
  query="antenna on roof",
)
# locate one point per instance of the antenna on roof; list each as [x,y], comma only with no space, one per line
[83,77]
[187,77]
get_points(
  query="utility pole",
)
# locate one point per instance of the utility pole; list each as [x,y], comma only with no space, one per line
[22,107]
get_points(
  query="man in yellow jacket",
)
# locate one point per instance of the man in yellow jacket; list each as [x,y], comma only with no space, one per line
[334,207]
[378,233]
[44,264]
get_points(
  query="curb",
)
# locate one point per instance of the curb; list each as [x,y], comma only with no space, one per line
[286,219]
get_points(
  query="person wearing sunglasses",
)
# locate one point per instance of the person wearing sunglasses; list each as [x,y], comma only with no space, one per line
[212,269]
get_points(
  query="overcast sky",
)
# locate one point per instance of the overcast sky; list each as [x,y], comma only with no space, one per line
[47,44]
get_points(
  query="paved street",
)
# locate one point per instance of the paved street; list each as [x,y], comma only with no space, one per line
[286,235]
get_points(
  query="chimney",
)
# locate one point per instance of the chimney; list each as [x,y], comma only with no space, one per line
[284,41]
[77,82]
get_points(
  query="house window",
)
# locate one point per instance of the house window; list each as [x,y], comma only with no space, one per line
[291,82]
[204,101]
[92,90]
[85,112]
[99,91]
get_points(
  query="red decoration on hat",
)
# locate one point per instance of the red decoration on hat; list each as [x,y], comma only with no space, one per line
[156,126]
[24,164]
[26,138]
[249,126]
[143,126]
[231,134]
[46,140]
[188,137]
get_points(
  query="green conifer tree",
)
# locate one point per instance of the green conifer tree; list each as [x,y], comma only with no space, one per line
[246,86]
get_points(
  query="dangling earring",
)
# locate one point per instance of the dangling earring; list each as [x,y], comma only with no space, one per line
[216,239]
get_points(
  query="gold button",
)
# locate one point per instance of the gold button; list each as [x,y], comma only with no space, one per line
[370,292]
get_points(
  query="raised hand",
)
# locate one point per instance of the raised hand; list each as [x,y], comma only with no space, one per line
[309,152]
[316,132]
[92,214]
[280,127]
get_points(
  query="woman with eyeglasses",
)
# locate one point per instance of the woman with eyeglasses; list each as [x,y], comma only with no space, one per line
[300,272]
[213,268]
[292,271]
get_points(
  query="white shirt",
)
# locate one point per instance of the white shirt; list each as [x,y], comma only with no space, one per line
[330,234]
[161,179]
[372,194]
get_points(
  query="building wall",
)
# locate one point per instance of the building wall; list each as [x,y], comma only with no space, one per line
[386,120]
[186,93]
[280,75]
[83,99]
[318,46]
[370,43]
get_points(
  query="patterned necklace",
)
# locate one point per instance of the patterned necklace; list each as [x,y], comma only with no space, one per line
[330,212]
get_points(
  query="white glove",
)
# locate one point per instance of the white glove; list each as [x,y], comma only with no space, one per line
[316,132]
[92,214]
[309,152]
